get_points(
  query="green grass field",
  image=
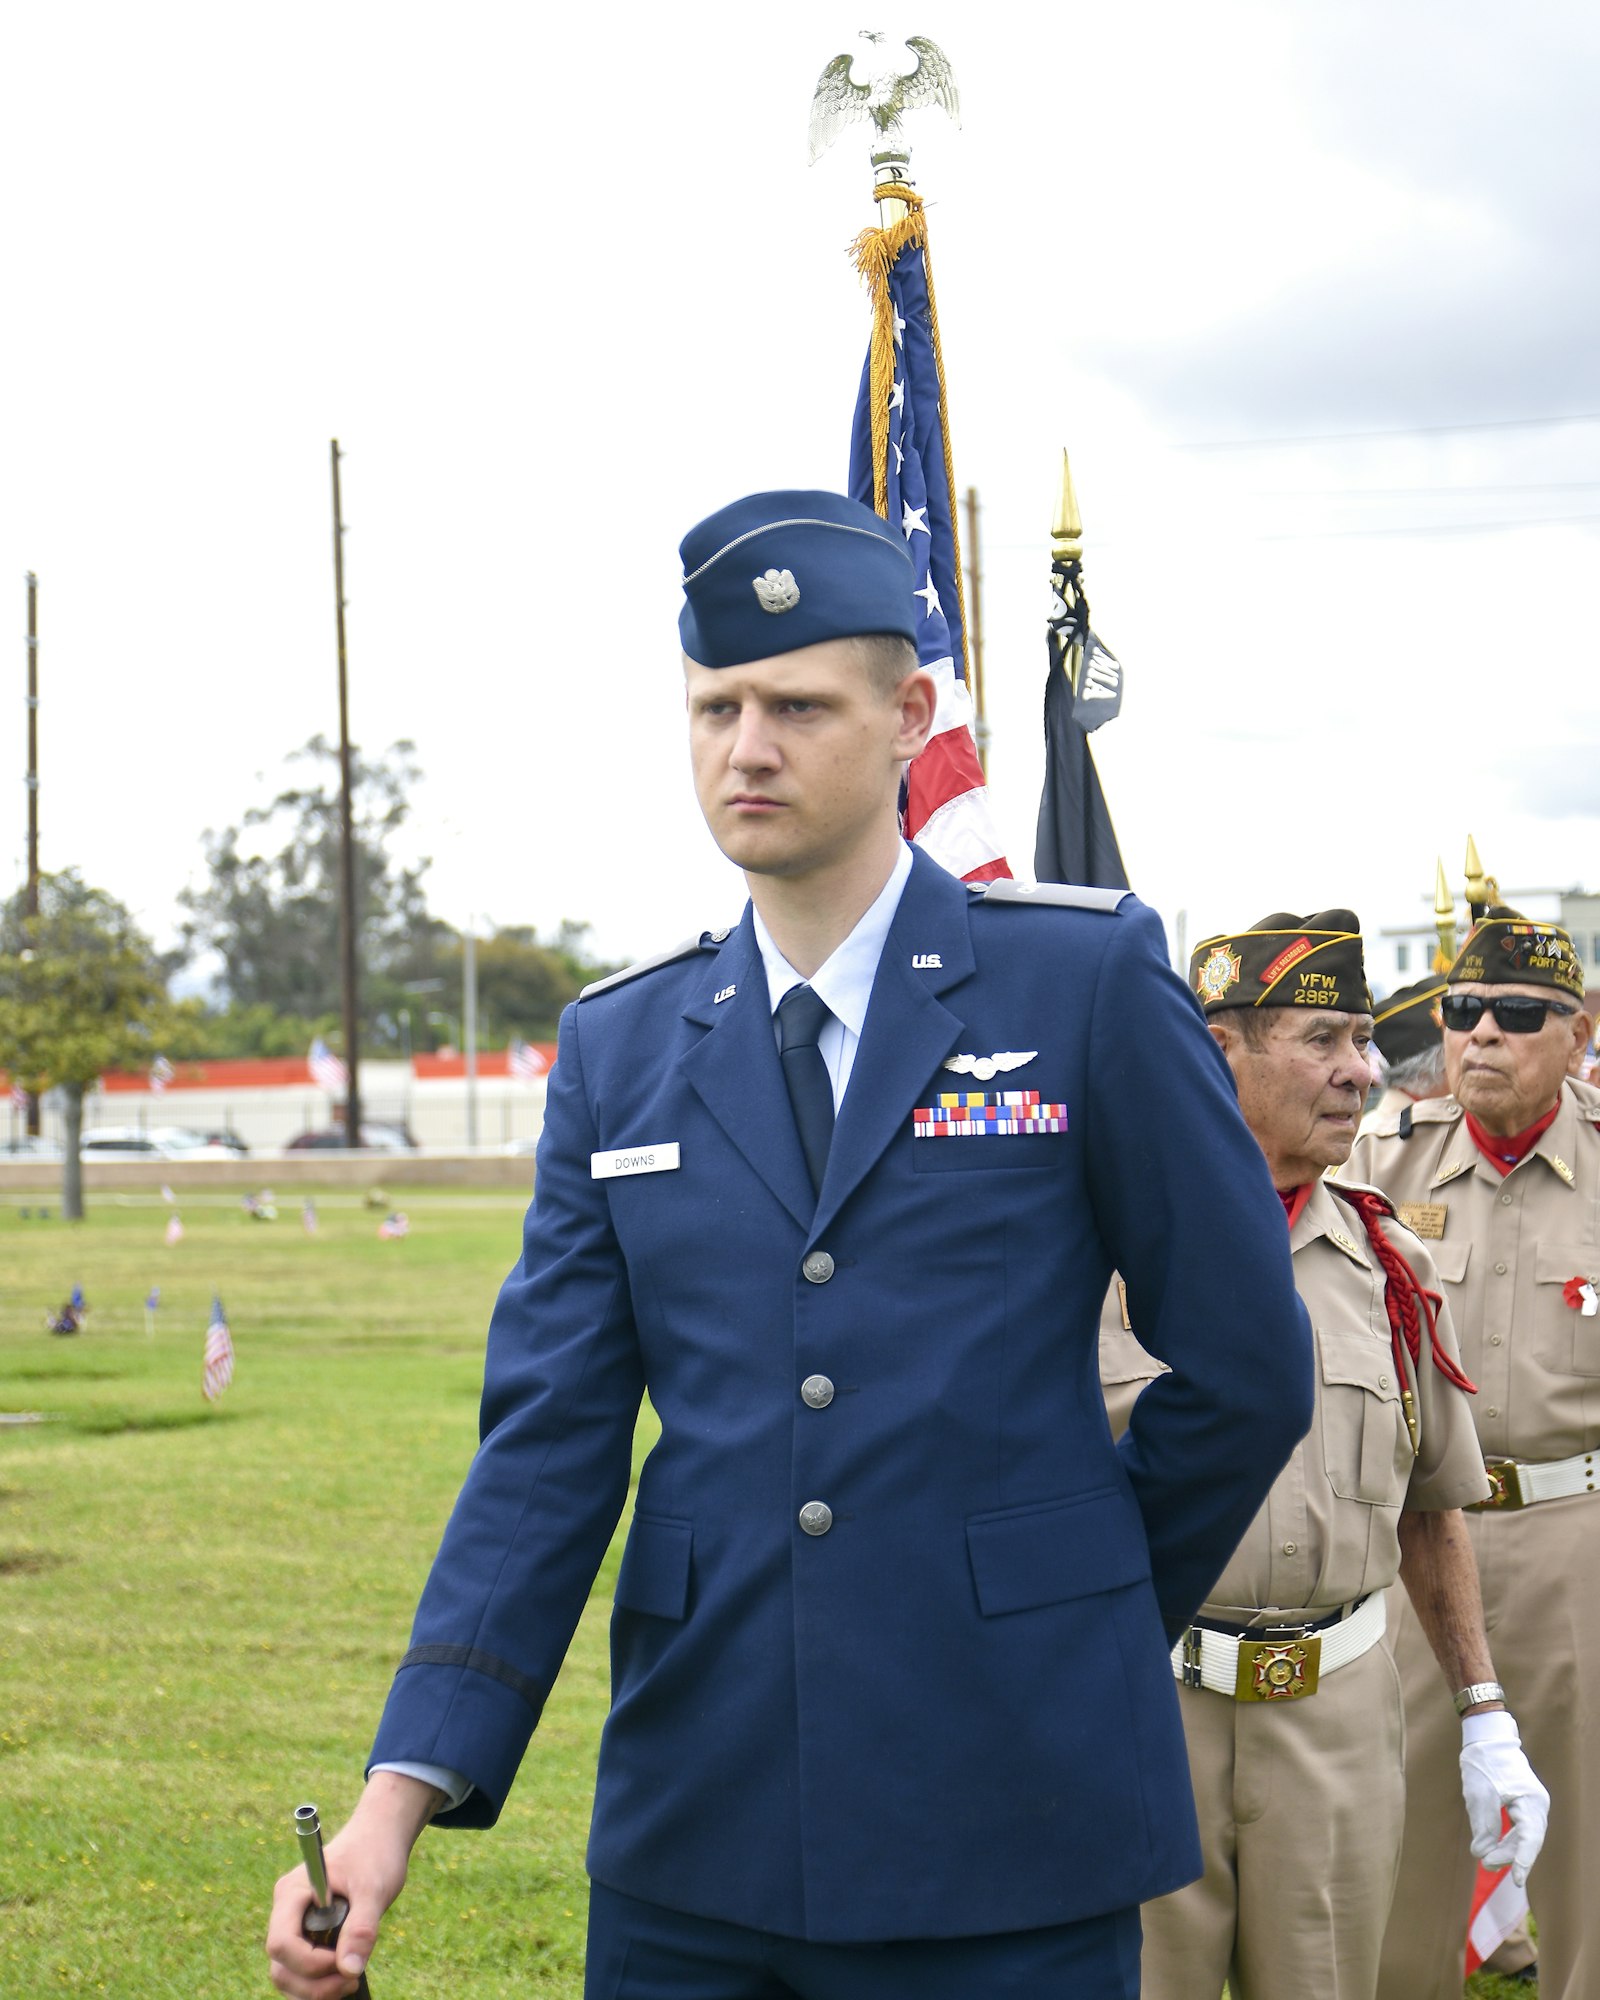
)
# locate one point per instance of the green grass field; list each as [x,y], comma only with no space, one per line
[201,1605]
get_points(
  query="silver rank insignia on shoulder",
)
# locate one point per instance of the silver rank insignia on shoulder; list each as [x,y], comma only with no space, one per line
[984,1067]
[727,993]
[777,590]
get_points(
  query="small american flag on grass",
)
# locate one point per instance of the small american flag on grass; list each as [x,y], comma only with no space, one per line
[218,1354]
[524,1061]
[327,1071]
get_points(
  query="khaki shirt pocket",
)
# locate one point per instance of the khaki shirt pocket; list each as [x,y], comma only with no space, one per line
[1564,1339]
[1366,1447]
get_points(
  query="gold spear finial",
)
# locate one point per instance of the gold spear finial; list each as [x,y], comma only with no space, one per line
[1444,917]
[1477,887]
[1066,531]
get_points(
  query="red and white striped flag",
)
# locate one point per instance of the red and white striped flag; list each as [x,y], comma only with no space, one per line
[218,1354]
[1498,1906]
[524,1061]
[327,1071]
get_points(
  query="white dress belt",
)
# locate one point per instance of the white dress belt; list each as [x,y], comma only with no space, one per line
[1283,1663]
[1516,1483]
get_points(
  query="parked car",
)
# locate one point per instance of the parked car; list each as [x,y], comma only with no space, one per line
[374,1139]
[120,1142]
[26,1147]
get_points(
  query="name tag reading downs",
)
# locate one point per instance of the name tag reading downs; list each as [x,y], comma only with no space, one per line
[634,1160]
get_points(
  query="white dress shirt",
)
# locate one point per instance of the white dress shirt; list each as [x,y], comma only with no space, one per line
[843,982]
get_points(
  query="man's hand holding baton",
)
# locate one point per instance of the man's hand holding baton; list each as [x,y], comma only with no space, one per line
[325,1913]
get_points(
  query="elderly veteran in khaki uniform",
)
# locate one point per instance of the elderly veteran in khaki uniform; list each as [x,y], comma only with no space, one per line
[1411,1044]
[1290,1705]
[1503,1178]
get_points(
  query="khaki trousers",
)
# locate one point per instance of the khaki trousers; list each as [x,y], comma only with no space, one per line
[1301,1807]
[1540,1572]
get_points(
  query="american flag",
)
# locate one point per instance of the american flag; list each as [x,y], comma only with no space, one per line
[308,1216]
[392,1226]
[1498,1906]
[219,1353]
[161,1073]
[900,464]
[174,1228]
[524,1061]
[327,1071]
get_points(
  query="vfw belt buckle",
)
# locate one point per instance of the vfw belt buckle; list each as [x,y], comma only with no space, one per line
[1505,1483]
[1278,1670]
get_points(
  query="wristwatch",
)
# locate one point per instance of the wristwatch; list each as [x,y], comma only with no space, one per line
[1475,1692]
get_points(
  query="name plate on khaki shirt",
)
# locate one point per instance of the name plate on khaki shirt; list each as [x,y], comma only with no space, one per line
[633,1160]
[1423,1218]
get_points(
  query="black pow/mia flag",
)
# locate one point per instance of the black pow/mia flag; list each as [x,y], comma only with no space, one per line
[1076,841]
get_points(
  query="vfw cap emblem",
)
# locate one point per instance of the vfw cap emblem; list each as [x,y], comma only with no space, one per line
[777,590]
[1219,972]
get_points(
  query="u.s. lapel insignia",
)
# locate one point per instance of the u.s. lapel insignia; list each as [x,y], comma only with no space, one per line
[727,993]
[984,1067]
[926,961]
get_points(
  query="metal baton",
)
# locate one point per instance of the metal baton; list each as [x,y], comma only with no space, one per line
[323,1922]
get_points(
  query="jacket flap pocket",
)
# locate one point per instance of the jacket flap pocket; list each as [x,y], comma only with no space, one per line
[654,1577]
[1450,1259]
[1365,1363]
[1025,1557]
[1554,1263]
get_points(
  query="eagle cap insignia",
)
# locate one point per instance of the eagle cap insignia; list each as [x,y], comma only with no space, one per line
[777,590]
[1220,971]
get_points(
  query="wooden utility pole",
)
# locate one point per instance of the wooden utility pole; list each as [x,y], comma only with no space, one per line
[347,843]
[980,723]
[30,903]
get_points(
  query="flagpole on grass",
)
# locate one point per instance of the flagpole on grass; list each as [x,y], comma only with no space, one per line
[30,903]
[347,839]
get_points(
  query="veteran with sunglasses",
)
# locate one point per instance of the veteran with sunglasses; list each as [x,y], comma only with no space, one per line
[1503,1179]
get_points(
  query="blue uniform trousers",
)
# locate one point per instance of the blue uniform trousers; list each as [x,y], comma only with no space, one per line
[640,1951]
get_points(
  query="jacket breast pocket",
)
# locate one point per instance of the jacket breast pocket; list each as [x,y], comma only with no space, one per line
[989,1154]
[1568,1340]
[1049,1553]
[1366,1447]
[654,1576]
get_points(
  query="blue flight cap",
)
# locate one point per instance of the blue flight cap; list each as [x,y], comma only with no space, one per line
[777,571]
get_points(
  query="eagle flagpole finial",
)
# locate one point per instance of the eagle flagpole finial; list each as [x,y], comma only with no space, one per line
[877,86]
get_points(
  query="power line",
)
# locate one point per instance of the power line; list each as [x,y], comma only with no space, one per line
[1403,431]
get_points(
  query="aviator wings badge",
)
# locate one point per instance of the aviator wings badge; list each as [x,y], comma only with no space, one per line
[984,1067]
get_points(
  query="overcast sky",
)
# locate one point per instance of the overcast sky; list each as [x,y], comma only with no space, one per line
[1304,290]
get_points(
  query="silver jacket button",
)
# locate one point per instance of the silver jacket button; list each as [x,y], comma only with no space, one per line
[816,1517]
[818,1267]
[816,1391]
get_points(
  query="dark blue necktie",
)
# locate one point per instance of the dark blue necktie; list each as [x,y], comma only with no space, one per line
[801,1018]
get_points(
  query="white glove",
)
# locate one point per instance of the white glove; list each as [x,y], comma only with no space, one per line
[1495,1773]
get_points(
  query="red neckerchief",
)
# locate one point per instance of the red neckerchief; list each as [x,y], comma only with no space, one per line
[1294,1201]
[1504,1154]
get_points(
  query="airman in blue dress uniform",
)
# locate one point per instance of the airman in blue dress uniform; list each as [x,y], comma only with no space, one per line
[841,1189]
